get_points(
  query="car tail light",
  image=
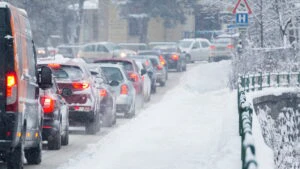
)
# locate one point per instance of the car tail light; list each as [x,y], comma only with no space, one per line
[162,60]
[159,67]
[11,91]
[54,65]
[124,89]
[48,104]
[175,57]
[80,85]
[230,46]
[212,47]
[103,93]
[134,76]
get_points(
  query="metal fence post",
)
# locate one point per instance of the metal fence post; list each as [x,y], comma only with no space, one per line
[269,79]
[260,81]
[278,79]
[253,82]
[289,79]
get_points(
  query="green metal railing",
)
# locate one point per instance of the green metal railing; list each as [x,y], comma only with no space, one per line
[250,83]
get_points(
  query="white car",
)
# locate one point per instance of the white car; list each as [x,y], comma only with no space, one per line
[99,50]
[123,88]
[196,49]
[146,80]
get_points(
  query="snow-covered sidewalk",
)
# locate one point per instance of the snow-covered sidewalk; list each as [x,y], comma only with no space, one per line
[194,126]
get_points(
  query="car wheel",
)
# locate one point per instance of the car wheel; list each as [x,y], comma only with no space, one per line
[162,83]
[153,89]
[179,68]
[34,155]
[188,58]
[131,114]
[108,118]
[92,127]
[15,158]
[65,138]
[54,142]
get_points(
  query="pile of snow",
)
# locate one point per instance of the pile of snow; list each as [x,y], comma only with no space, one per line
[195,125]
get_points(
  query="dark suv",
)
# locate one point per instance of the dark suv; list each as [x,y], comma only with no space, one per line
[56,118]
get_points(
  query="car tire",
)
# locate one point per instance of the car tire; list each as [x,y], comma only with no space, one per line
[92,127]
[179,68]
[162,84]
[131,114]
[153,89]
[188,59]
[34,155]
[15,158]
[54,142]
[108,118]
[184,68]
[65,138]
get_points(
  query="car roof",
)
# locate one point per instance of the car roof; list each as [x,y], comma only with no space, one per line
[114,59]
[99,43]
[137,44]
[111,65]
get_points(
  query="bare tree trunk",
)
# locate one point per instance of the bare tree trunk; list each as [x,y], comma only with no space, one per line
[80,16]
[261,25]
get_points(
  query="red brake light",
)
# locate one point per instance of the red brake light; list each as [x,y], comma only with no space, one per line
[103,93]
[48,104]
[159,67]
[230,46]
[162,60]
[134,76]
[175,57]
[124,89]
[11,81]
[54,65]
[80,85]
[212,47]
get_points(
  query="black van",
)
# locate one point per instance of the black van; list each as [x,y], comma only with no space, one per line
[20,110]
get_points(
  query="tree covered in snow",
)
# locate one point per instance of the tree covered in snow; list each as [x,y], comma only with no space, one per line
[52,19]
[171,11]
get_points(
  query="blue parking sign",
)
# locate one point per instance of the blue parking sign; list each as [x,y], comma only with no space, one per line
[241,19]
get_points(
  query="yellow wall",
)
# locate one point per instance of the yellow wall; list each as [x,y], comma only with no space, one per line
[111,27]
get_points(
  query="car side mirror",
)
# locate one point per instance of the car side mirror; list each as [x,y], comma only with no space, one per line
[143,71]
[114,83]
[44,78]
[150,73]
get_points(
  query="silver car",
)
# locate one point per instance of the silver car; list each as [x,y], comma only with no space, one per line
[123,88]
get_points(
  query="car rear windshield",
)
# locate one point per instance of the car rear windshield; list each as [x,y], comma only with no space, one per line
[113,73]
[154,61]
[126,65]
[185,43]
[66,52]
[68,72]
[222,41]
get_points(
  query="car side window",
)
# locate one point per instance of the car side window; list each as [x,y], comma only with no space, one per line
[101,48]
[196,45]
[89,48]
[204,44]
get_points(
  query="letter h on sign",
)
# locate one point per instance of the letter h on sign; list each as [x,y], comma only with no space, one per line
[242,19]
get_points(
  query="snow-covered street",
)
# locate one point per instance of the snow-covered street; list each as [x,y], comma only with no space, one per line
[194,126]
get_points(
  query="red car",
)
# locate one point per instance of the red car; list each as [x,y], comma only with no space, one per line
[76,86]
[131,69]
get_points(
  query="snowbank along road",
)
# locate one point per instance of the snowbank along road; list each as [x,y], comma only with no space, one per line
[191,124]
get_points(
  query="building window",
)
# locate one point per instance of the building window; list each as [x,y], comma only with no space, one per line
[96,26]
[133,27]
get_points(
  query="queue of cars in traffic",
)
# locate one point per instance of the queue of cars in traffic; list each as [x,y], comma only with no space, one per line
[46,90]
